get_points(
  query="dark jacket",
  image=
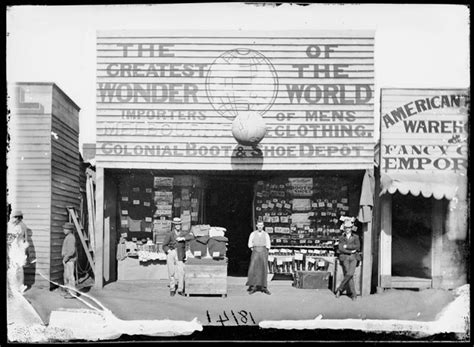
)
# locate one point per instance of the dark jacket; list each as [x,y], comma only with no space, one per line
[353,243]
[170,243]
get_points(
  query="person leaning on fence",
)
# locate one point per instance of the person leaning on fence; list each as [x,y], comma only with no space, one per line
[17,246]
[349,246]
[69,255]
[259,243]
[174,246]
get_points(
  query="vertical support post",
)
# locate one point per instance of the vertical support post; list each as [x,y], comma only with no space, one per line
[107,246]
[385,245]
[90,211]
[99,228]
[437,223]
[376,229]
[367,259]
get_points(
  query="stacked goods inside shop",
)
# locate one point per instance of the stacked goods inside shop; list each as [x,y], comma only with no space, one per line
[302,217]
[136,211]
[207,242]
[146,206]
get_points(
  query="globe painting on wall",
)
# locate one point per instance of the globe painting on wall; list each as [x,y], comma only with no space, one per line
[242,85]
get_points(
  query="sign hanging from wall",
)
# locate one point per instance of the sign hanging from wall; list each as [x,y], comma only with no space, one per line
[424,141]
[170,101]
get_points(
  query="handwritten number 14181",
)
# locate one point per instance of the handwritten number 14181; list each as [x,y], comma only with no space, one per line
[241,317]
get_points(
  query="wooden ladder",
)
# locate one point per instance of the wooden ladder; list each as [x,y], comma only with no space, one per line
[90,194]
[74,218]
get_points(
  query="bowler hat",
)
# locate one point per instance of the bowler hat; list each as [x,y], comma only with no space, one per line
[68,226]
[176,220]
[17,213]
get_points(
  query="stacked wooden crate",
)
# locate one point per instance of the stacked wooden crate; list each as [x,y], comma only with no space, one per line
[205,276]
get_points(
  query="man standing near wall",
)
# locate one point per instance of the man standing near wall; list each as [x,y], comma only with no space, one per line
[69,255]
[349,246]
[17,245]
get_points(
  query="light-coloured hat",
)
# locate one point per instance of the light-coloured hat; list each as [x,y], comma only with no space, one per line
[17,213]
[176,220]
[348,222]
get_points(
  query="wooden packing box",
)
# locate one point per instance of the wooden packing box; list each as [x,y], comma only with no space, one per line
[205,276]
[311,279]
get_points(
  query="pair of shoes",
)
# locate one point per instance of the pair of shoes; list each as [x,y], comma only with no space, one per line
[252,291]
[69,296]
[172,293]
[266,291]
[338,293]
[181,293]
[354,297]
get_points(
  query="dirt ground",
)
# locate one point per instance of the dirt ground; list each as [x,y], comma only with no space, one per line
[131,300]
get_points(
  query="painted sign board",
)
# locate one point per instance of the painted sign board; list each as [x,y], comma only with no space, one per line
[424,140]
[167,101]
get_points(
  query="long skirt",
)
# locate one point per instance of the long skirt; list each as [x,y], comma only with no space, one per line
[258,269]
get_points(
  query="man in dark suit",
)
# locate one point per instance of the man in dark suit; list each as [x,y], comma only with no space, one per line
[349,246]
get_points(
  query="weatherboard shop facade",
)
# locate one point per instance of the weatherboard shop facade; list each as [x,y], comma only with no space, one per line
[223,130]
[424,234]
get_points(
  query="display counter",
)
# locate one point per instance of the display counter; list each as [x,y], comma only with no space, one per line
[131,269]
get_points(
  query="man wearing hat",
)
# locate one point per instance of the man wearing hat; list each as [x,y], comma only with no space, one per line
[17,246]
[175,248]
[349,245]
[69,255]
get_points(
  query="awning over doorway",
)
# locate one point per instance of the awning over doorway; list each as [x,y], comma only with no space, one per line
[452,187]
[415,183]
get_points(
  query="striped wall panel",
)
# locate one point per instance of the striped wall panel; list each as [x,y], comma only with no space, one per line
[65,173]
[43,171]
[168,101]
[28,172]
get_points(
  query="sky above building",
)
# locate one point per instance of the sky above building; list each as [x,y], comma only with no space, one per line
[416,46]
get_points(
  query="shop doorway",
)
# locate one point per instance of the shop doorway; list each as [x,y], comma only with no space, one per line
[229,205]
[411,236]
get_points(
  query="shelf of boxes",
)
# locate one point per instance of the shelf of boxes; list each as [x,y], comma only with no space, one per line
[302,216]
[147,204]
